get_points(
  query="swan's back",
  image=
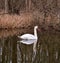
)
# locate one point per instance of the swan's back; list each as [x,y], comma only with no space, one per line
[28,36]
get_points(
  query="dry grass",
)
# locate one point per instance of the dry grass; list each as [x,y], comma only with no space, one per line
[15,21]
[27,19]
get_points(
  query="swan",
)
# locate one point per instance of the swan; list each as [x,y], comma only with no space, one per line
[30,39]
[30,36]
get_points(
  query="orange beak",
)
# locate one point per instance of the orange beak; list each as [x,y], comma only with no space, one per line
[39,30]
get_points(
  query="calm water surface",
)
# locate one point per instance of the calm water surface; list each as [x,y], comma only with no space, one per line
[47,48]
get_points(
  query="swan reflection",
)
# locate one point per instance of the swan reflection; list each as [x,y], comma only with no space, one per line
[30,42]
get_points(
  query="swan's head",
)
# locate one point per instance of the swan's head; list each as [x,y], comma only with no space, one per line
[36,27]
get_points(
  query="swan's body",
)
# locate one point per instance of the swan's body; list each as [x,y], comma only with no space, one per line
[30,36]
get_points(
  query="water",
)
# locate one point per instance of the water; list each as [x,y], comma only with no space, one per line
[47,49]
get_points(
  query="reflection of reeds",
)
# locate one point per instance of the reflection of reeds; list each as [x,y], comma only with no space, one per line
[11,32]
[6,33]
[48,49]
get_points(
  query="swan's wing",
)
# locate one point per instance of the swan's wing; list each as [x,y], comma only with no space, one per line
[27,36]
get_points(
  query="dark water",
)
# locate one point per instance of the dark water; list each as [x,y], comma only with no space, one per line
[47,48]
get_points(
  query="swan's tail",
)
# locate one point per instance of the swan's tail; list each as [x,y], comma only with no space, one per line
[19,37]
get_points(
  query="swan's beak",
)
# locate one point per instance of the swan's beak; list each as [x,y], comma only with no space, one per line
[39,30]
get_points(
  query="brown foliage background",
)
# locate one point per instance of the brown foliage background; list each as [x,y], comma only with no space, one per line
[35,12]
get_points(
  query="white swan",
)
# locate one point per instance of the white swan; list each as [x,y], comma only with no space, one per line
[30,36]
[30,39]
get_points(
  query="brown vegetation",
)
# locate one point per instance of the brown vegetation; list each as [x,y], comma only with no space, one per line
[44,13]
[11,32]
[29,19]
[15,21]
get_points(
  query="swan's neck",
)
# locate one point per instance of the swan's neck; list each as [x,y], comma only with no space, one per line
[35,32]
